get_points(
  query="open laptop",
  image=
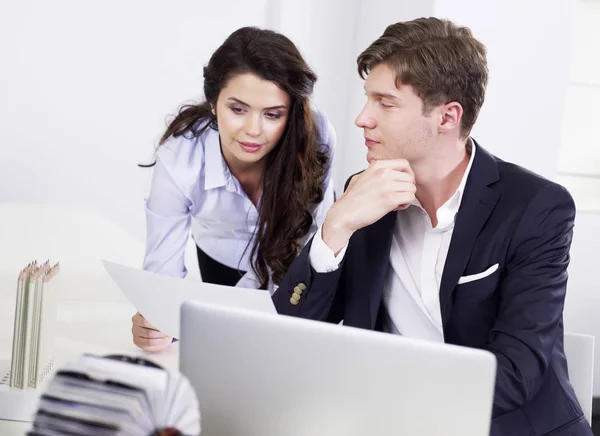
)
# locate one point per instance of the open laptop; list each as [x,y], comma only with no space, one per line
[258,374]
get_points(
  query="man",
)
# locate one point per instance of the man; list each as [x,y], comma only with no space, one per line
[438,239]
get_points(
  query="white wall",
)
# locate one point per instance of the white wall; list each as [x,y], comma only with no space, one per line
[580,151]
[579,158]
[88,85]
[85,88]
[528,46]
[582,307]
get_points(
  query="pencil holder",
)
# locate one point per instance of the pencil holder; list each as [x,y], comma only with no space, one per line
[22,378]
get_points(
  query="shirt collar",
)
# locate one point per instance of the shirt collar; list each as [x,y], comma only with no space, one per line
[447,212]
[216,171]
[461,188]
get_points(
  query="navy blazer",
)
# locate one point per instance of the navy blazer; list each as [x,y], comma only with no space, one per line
[508,216]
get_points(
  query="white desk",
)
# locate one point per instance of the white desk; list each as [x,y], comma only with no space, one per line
[93,316]
[85,326]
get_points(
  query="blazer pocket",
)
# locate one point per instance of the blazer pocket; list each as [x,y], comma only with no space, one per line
[482,284]
[479,276]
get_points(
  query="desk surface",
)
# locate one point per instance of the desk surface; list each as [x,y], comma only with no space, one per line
[84,326]
[93,315]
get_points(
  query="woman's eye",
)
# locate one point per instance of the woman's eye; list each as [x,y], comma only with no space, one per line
[273,116]
[237,110]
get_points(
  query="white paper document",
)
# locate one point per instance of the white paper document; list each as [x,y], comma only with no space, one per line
[158,298]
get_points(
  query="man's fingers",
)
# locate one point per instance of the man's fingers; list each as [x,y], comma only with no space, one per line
[401,186]
[400,200]
[390,187]
[396,170]
[393,164]
[401,171]
[398,176]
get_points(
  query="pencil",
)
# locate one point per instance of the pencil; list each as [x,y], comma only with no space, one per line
[16,346]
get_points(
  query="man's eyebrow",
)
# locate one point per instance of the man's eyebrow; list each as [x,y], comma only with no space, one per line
[385,95]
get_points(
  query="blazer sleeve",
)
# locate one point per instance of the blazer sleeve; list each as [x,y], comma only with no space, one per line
[323,296]
[532,296]
[320,295]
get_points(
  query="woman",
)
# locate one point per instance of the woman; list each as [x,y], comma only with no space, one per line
[248,171]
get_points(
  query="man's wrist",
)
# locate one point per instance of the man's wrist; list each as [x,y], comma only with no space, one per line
[336,232]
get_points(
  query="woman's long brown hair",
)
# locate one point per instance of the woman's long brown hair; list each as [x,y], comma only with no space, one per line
[295,170]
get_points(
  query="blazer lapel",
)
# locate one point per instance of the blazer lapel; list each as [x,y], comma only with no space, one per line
[378,242]
[477,203]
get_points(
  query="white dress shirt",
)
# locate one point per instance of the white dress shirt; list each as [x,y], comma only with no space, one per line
[411,303]
[193,189]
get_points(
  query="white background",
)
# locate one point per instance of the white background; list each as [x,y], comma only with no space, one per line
[86,88]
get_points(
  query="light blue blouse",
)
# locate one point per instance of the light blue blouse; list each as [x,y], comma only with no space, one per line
[193,190]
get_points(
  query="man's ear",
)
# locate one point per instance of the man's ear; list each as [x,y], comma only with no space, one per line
[451,115]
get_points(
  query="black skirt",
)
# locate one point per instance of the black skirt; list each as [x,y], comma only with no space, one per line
[215,272]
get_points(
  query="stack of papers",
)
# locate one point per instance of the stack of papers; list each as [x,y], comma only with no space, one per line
[116,395]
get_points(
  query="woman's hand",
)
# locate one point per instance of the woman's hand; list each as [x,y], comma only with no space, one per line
[146,336]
